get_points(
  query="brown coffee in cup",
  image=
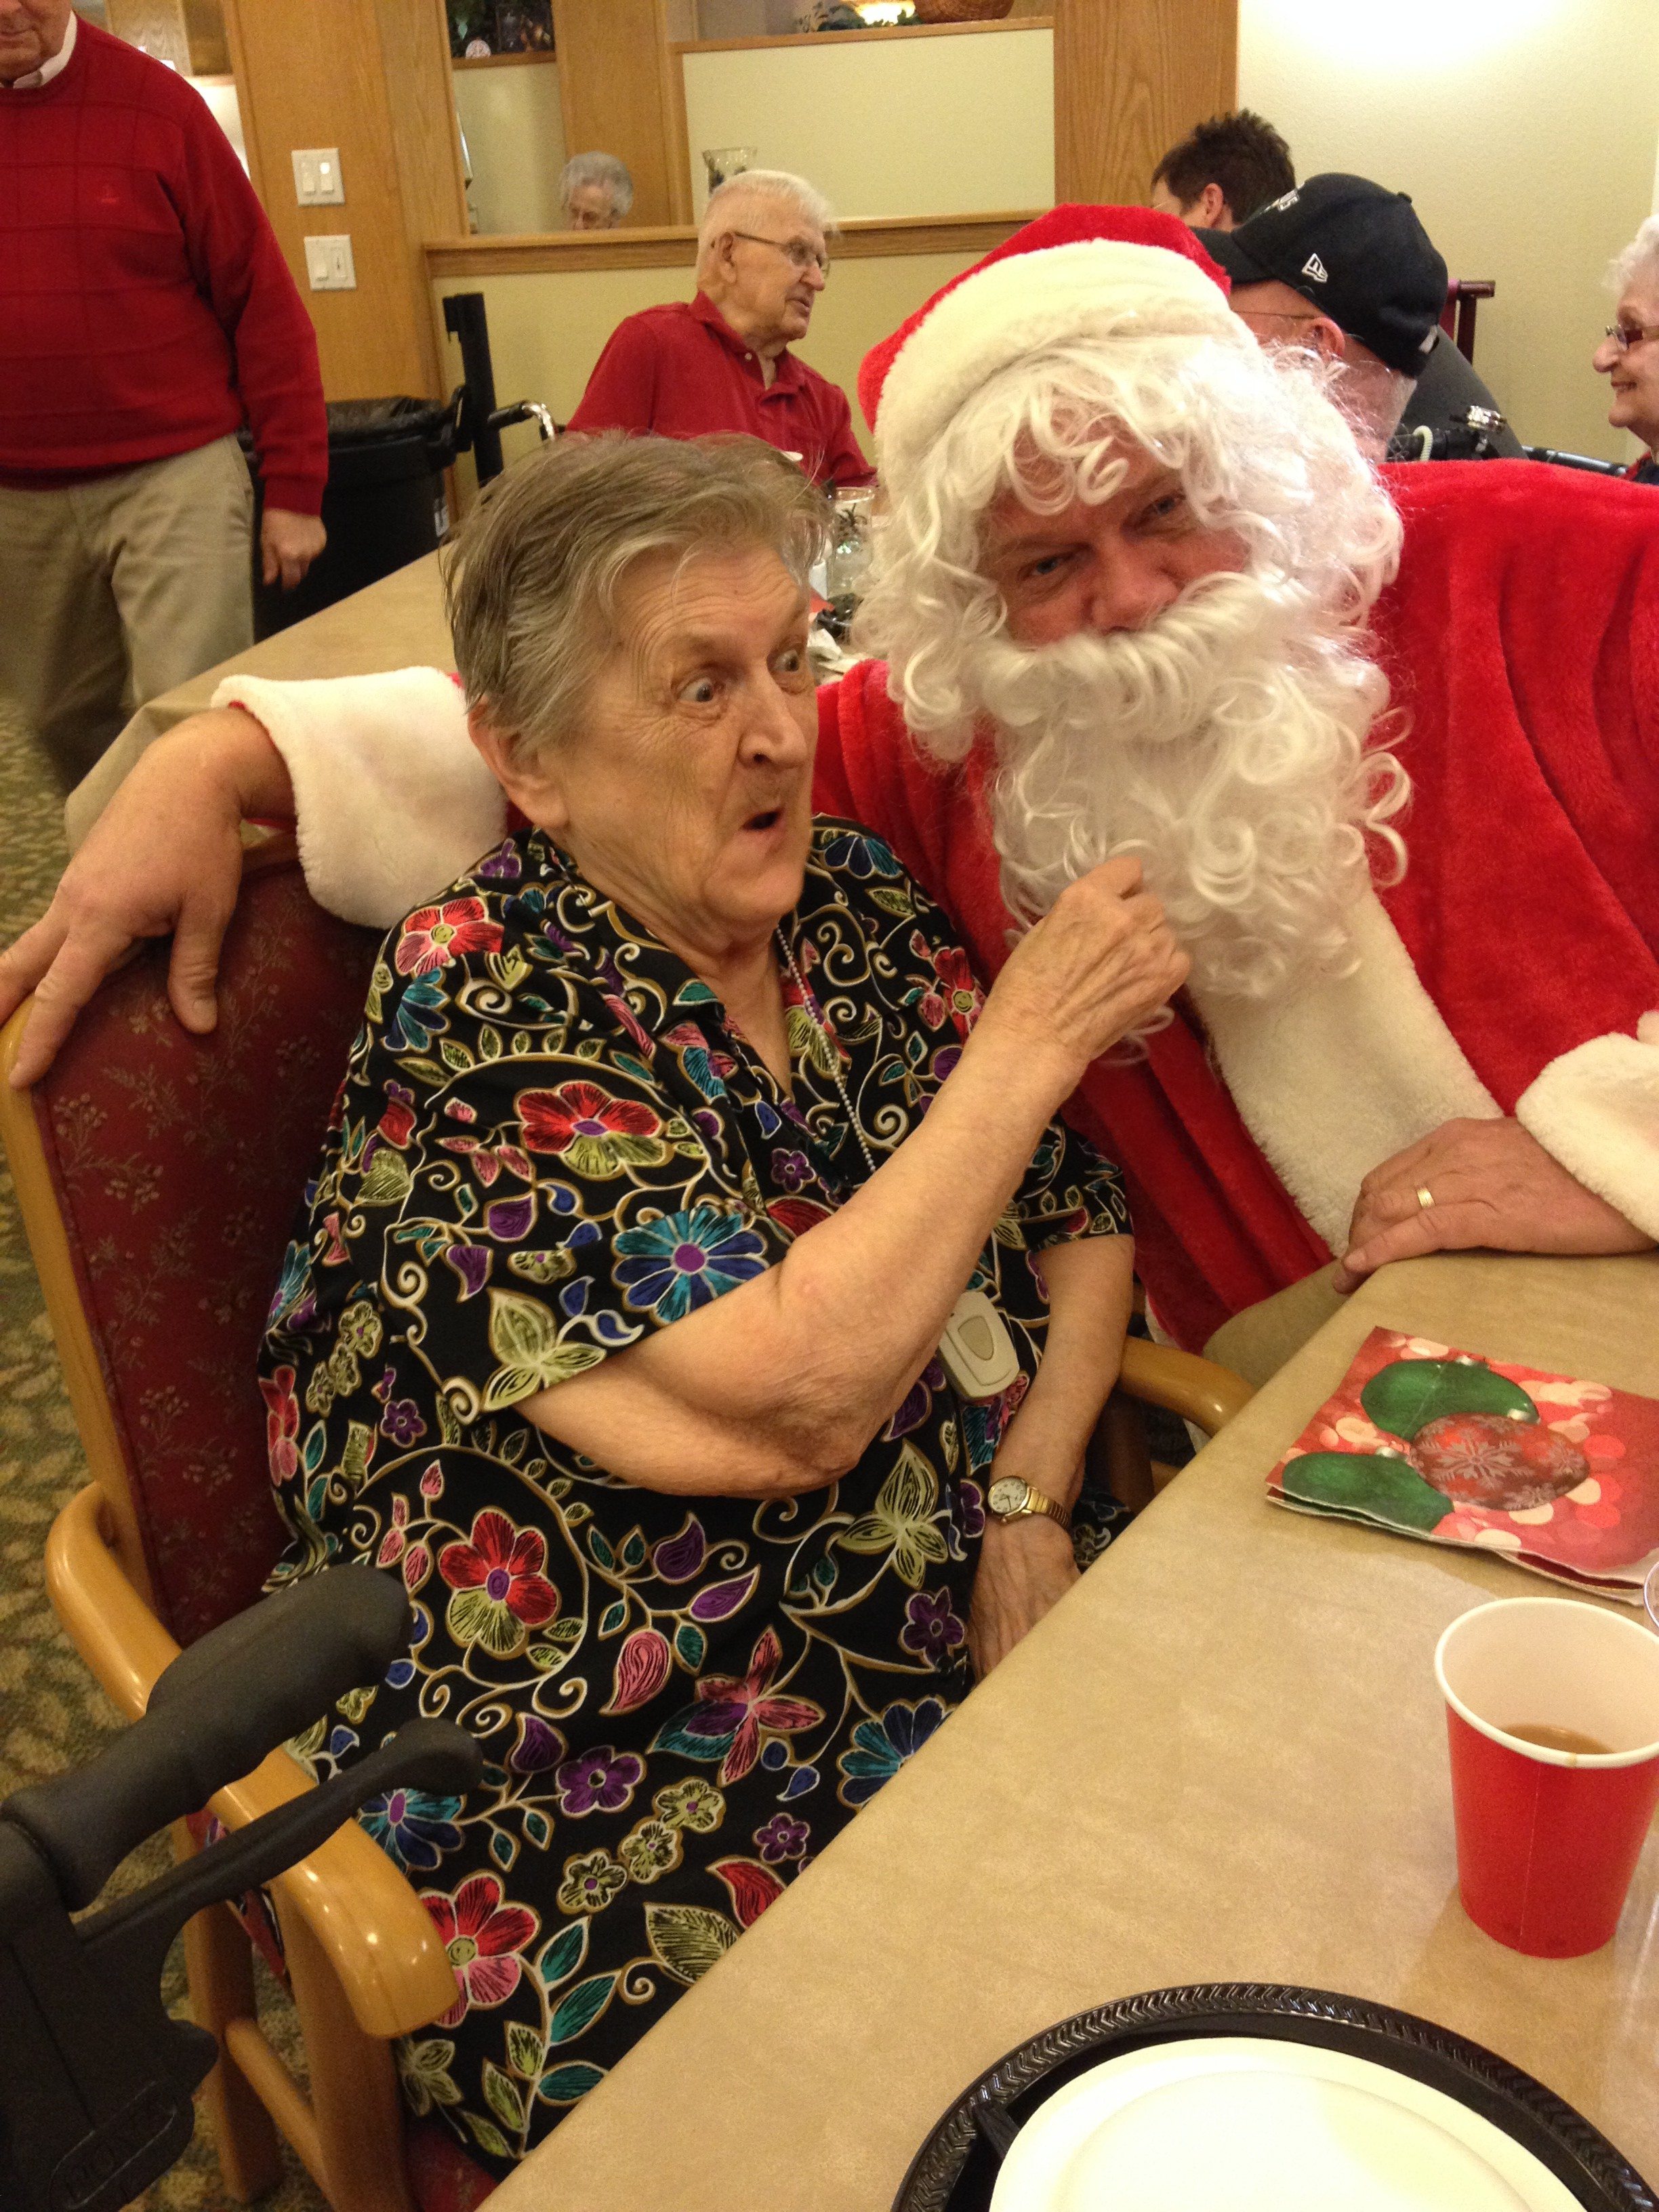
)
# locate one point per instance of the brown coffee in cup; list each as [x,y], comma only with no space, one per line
[1550,1738]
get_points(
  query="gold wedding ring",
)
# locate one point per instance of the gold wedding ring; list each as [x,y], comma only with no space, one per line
[1424,1196]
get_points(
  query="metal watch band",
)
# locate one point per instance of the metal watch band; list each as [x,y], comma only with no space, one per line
[1037,1503]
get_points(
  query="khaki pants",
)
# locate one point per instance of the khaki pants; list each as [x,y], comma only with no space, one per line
[113,591]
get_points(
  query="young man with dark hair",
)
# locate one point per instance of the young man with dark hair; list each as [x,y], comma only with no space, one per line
[1224,170]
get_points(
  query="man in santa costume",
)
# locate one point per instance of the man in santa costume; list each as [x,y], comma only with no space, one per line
[1138,592]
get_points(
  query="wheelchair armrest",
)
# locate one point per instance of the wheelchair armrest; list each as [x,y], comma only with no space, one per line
[378,1937]
[1198,1389]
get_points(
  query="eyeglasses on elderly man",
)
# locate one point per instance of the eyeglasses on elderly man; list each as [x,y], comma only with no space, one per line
[676,1132]
[798,252]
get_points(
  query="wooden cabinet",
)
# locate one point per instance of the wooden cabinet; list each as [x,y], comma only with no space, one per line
[370,77]
[1131,78]
[620,96]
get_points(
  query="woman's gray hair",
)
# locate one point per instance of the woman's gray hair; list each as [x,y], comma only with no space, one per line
[532,577]
[1642,252]
[604,169]
[731,206]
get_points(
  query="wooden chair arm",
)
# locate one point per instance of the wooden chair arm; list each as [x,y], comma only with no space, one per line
[77,1355]
[377,1935]
[1198,1389]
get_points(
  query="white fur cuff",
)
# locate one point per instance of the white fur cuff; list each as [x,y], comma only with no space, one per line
[391,801]
[1596,1111]
[1341,1073]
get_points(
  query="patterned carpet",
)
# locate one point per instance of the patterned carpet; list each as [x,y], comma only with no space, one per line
[53,1716]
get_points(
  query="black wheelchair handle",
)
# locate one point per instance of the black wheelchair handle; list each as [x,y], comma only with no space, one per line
[95,2079]
[436,1756]
[213,1715]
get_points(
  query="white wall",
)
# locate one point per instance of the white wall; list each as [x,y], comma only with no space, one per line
[515,135]
[910,127]
[1525,132]
[220,94]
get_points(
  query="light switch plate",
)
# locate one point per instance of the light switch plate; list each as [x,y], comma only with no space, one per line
[317,180]
[329,264]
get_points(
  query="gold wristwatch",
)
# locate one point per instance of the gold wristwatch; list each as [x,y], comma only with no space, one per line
[1011,1499]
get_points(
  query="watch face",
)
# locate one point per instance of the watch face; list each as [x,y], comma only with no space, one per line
[1007,1495]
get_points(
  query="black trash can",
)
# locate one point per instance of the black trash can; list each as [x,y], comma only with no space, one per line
[384,505]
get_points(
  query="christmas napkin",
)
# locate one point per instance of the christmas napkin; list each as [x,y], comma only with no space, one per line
[1557,1475]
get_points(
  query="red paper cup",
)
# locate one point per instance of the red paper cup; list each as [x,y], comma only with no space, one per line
[1548,1840]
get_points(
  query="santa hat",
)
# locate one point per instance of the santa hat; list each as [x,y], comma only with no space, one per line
[1077,272]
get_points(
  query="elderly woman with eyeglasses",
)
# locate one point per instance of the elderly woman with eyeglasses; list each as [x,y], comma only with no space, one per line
[1628,356]
[692,1244]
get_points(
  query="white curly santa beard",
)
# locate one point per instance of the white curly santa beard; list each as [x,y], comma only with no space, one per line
[1222,746]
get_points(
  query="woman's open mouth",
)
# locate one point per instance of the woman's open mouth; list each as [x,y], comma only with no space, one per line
[769,818]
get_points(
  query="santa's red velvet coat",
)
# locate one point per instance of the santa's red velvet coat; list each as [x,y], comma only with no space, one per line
[1507,972]
[1521,640]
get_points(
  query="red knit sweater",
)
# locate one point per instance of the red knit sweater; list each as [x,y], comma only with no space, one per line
[144,302]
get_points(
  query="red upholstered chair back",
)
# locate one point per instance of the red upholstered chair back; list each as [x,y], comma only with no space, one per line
[177,1164]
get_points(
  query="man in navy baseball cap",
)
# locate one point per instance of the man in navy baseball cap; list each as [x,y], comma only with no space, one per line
[1355,253]
[1344,267]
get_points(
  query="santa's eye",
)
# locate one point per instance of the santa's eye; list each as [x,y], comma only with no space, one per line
[1048,566]
[1170,508]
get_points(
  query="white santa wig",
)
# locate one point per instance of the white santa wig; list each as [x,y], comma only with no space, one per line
[1226,743]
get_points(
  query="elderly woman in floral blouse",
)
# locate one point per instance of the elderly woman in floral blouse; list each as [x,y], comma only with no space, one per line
[619,1321]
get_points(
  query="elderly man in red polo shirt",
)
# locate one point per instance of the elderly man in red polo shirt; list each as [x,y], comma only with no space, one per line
[722,361]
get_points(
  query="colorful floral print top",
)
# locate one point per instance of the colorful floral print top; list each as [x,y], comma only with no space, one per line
[549,1143]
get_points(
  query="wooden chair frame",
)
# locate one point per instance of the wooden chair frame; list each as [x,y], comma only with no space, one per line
[364,1960]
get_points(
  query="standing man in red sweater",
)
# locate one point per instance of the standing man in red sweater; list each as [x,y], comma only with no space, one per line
[722,361]
[145,310]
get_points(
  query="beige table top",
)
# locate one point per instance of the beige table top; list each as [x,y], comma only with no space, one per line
[395,624]
[1222,1757]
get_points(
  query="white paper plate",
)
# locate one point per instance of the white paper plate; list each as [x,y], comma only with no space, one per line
[1241,2124]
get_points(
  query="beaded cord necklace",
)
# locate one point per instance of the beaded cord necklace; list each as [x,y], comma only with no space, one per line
[823,1029]
[981,1367]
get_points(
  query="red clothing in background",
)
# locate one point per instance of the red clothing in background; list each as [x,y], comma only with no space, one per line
[681,371]
[144,302]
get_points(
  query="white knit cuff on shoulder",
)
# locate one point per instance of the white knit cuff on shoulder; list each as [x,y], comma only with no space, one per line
[391,802]
[1596,1111]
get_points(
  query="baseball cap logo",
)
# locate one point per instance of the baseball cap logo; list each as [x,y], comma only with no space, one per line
[1287,199]
[1314,267]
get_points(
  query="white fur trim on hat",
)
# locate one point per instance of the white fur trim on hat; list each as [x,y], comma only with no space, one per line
[1090,288]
